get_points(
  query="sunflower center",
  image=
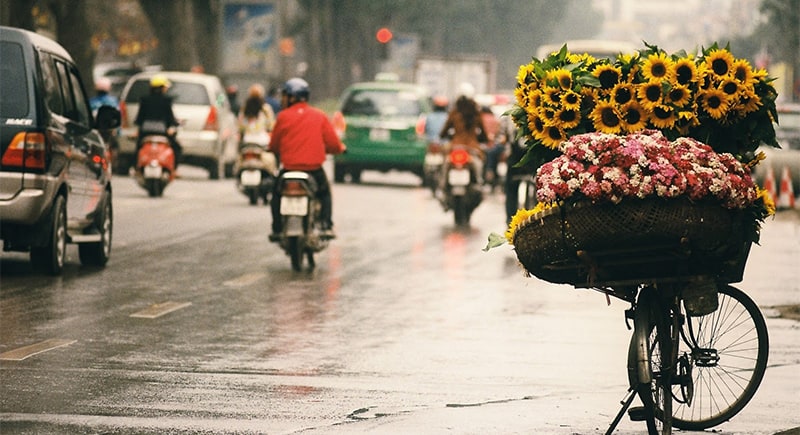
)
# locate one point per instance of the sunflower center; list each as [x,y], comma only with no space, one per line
[676,95]
[609,118]
[661,113]
[608,79]
[658,70]
[622,96]
[730,88]
[567,116]
[632,116]
[720,67]
[554,133]
[653,92]
[714,102]
[684,74]
[571,98]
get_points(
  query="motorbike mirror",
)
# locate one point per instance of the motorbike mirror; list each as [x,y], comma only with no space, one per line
[108,118]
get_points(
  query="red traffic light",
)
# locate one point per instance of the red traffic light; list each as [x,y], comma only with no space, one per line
[383,35]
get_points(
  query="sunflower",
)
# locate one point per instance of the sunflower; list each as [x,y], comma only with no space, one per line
[521,96]
[605,118]
[553,136]
[609,75]
[685,71]
[634,117]
[730,87]
[536,125]
[649,94]
[743,72]
[658,66]
[525,73]
[719,62]
[571,100]
[715,103]
[622,93]
[560,77]
[678,95]
[663,117]
[551,96]
[568,118]
[749,101]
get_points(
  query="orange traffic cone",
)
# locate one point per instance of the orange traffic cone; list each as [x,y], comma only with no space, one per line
[769,184]
[786,193]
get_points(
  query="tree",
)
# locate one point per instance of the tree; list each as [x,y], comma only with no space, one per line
[174,25]
[783,35]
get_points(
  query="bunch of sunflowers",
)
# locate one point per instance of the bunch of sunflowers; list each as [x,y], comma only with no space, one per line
[710,96]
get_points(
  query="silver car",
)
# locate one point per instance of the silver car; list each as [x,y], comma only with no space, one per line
[208,132]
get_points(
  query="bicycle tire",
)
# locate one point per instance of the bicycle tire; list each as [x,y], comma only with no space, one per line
[723,389]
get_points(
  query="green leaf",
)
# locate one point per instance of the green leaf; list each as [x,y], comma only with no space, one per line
[495,240]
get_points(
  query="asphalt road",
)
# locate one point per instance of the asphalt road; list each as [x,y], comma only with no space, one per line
[198,325]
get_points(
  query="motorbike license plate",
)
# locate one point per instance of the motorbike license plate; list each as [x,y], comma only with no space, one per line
[294,205]
[152,171]
[250,177]
[379,134]
[458,177]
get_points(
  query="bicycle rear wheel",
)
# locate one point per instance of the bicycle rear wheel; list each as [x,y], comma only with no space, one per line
[727,353]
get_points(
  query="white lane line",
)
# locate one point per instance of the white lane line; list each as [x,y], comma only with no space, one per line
[21,353]
[158,310]
[247,279]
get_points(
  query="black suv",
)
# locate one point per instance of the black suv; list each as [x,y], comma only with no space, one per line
[54,166]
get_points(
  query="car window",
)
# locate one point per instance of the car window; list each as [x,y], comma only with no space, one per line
[52,85]
[80,112]
[14,86]
[188,93]
[376,102]
[138,89]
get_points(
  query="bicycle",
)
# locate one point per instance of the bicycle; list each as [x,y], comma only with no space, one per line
[699,346]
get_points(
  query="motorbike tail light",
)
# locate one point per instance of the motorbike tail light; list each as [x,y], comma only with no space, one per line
[251,155]
[123,112]
[26,151]
[459,157]
[420,127]
[294,188]
[339,124]
[212,121]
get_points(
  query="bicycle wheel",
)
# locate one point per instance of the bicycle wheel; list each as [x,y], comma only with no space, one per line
[649,361]
[727,354]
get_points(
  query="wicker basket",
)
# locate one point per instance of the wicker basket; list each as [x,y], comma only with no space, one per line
[636,240]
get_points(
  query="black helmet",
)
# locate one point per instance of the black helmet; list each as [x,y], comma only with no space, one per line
[297,88]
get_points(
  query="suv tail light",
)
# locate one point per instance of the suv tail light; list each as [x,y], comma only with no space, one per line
[26,151]
[212,121]
[339,124]
[420,127]
[123,112]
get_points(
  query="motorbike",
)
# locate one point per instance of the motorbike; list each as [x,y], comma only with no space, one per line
[155,162]
[300,213]
[256,169]
[461,186]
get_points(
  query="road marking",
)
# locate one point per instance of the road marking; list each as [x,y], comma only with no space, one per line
[158,310]
[28,351]
[244,280]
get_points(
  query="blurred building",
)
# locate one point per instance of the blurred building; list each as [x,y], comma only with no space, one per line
[678,24]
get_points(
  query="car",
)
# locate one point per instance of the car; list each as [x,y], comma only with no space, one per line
[55,176]
[383,124]
[208,132]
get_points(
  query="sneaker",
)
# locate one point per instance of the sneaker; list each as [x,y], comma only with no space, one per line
[275,237]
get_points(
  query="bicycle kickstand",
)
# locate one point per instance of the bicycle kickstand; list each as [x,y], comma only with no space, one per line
[626,403]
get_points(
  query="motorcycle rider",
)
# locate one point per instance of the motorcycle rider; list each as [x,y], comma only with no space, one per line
[155,113]
[256,121]
[464,126]
[102,98]
[301,138]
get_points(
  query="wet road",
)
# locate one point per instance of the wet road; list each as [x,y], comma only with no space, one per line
[198,325]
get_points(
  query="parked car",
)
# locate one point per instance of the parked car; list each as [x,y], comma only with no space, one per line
[54,171]
[784,161]
[208,132]
[383,124]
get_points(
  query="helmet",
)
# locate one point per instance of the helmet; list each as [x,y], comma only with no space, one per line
[103,84]
[296,87]
[466,89]
[158,81]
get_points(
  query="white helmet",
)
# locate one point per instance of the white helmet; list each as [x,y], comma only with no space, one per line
[466,89]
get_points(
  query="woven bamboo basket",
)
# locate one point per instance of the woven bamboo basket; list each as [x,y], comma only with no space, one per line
[636,240]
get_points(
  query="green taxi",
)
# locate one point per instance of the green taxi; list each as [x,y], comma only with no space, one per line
[382,123]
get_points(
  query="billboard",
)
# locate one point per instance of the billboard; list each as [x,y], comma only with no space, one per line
[249,37]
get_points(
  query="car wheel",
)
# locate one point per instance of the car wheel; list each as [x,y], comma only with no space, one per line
[339,173]
[213,168]
[97,253]
[50,257]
